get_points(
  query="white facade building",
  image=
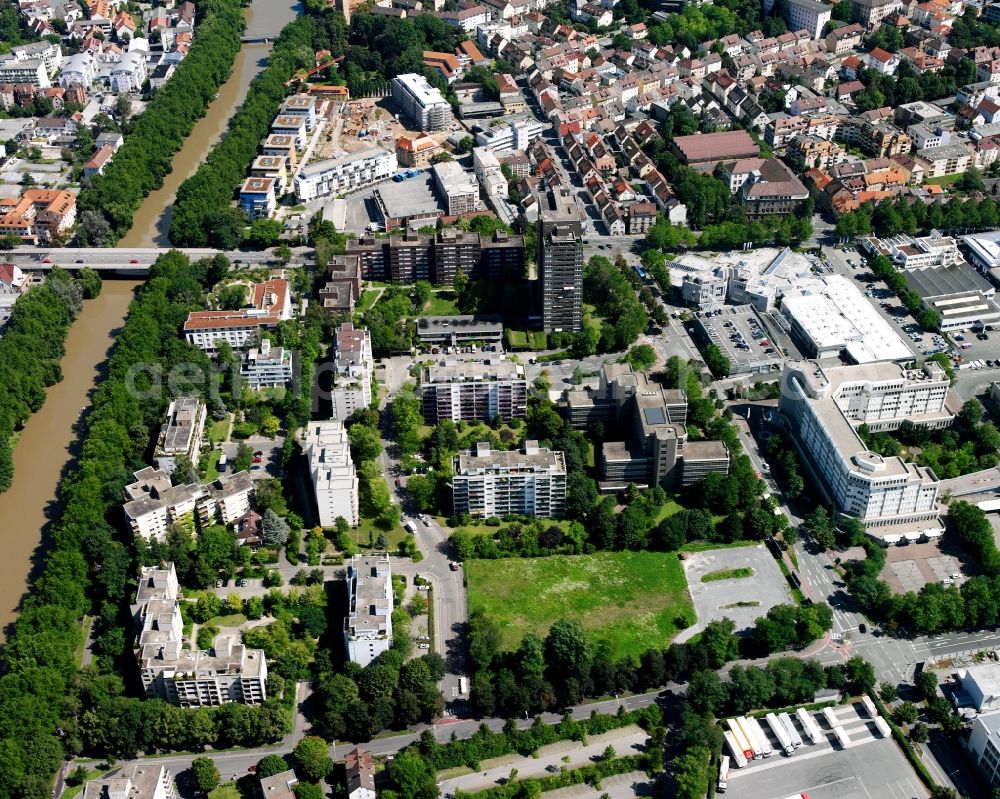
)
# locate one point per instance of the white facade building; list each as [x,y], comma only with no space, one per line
[270,303]
[531,482]
[14,70]
[336,175]
[984,746]
[49,52]
[353,367]
[129,74]
[424,104]
[515,135]
[368,625]
[335,482]
[807,15]
[896,500]
[133,781]
[230,672]
[267,367]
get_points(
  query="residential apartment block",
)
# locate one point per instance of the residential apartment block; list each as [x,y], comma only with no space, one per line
[529,482]
[368,625]
[457,188]
[267,366]
[181,433]
[338,175]
[153,504]
[896,500]
[133,781]
[335,482]
[353,368]
[421,102]
[270,303]
[560,261]
[38,216]
[230,672]
[463,390]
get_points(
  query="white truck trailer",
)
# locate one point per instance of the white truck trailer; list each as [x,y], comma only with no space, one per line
[780,733]
[793,733]
[809,725]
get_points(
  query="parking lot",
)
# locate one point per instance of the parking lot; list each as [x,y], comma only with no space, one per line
[741,599]
[742,337]
[869,768]
[910,567]
[270,456]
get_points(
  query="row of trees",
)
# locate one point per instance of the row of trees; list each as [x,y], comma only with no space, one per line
[565,667]
[146,156]
[45,711]
[203,214]
[30,351]
[900,215]
[882,268]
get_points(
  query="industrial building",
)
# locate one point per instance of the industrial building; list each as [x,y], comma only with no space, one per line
[962,297]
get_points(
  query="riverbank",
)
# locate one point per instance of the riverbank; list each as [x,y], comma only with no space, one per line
[47,446]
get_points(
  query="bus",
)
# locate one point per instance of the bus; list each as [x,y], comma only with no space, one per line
[869,706]
[741,739]
[842,737]
[831,717]
[882,727]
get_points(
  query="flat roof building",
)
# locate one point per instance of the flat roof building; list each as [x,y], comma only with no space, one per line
[458,188]
[368,625]
[181,432]
[528,482]
[983,252]
[133,781]
[984,746]
[420,101]
[267,366]
[453,330]
[707,149]
[895,499]
[230,672]
[560,261]
[335,481]
[270,303]
[353,367]
[462,390]
[338,175]
[957,293]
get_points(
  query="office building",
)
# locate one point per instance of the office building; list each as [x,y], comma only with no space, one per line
[560,261]
[421,102]
[980,686]
[267,367]
[984,746]
[270,303]
[983,252]
[353,367]
[229,672]
[464,390]
[133,781]
[338,175]
[457,188]
[895,499]
[368,625]
[529,482]
[335,482]
[512,136]
[909,252]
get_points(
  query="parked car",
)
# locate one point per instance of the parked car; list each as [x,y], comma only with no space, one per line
[454,565]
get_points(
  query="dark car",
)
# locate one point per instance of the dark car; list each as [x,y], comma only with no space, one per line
[862,628]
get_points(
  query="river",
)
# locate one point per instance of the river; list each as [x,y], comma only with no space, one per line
[49,440]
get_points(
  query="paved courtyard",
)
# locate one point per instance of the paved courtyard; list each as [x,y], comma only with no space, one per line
[910,567]
[741,599]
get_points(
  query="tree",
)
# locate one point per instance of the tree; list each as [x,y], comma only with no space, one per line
[567,650]
[919,733]
[244,458]
[273,529]
[312,758]
[887,692]
[905,713]
[641,357]
[414,776]
[270,765]
[232,297]
[205,774]
[927,685]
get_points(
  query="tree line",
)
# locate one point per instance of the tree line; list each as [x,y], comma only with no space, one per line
[565,667]
[31,348]
[899,215]
[203,214]
[145,158]
[47,710]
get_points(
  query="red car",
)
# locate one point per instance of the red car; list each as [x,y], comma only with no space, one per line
[257,459]
[46,260]
[134,261]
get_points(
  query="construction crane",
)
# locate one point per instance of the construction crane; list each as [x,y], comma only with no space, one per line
[301,76]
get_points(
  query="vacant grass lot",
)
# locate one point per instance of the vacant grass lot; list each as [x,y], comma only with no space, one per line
[630,600]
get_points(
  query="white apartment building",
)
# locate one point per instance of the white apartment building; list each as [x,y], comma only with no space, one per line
[133,781]
[336,175]
[896,500]
[129,74]
[473,391]
[301,105]
[267,367]
[368,624]
[807,15]
[487,168]
[80,68]
[181,433]
[420,101]
[14,70]
[270,303]
[515,135]
[153,504]
[353,367]
[49,52]
[531,482]
[948,159]
[230,672]
[335,482]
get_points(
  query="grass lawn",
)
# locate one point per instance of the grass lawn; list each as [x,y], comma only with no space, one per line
[232,620]
[227,791]
[212,465]
[728,574]
[516,339]
[360,536]
[538,340]
[945,180]
[482,528]
[368,299]
[629,600]
[92,774]
[441,304]
[669,509]
[217,430]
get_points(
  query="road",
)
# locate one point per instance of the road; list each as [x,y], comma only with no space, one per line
[136,259]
